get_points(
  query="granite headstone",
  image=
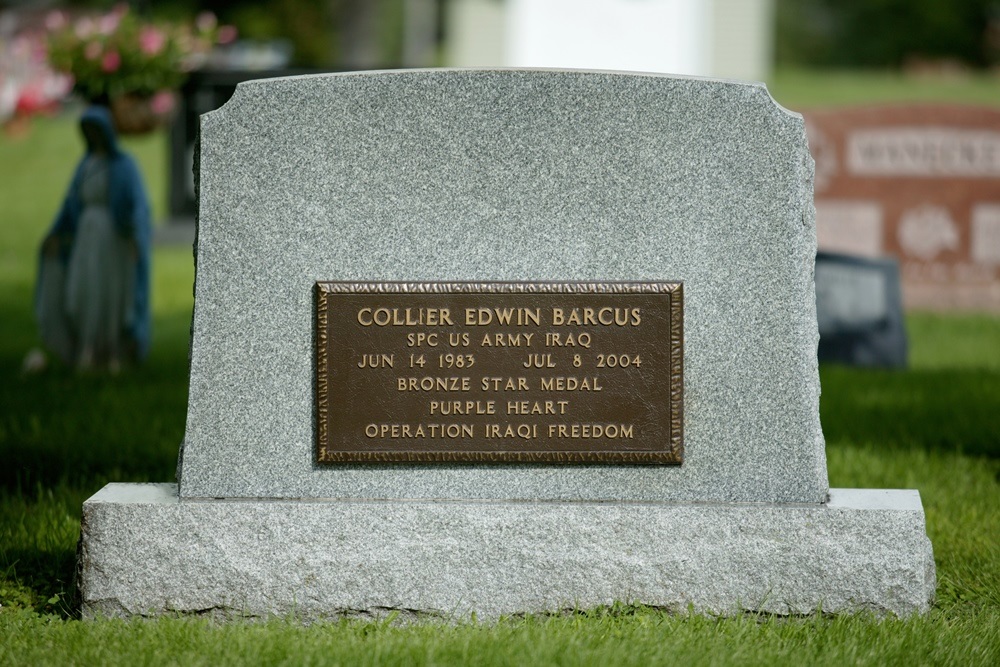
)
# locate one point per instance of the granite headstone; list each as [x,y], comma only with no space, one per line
[511,176]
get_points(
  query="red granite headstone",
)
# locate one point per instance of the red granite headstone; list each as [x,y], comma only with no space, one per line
[917,182]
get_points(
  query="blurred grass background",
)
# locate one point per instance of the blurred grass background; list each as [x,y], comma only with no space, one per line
[934,427]
[800,89]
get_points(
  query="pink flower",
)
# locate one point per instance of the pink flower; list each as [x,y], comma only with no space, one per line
[227,34]
[151,40]
[55,20]
[31,99]
[162,103]
[111,62]
[206,21]
[108,23]
[58,85]
[21,48]
[84,28]
[92,51]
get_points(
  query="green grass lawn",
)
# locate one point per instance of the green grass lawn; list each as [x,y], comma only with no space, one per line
[805,89]
[934,427]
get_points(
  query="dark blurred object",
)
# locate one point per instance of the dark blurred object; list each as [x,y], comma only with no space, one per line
[860,311]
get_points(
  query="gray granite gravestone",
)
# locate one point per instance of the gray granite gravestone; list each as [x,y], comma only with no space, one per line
[503,175]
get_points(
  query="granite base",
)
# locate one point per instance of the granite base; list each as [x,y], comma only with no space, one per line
[145,552]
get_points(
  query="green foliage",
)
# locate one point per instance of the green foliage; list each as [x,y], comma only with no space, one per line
[886,33]
[39,529]
[307,24]
[319,30]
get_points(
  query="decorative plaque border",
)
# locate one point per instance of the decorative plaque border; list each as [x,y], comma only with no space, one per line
[673,453]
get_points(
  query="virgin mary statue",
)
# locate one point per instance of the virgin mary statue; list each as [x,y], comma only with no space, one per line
[92,295]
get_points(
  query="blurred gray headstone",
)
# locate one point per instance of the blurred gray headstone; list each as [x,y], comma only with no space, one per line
[860,311]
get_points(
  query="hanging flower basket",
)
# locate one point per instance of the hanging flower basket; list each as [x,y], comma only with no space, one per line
[133,65]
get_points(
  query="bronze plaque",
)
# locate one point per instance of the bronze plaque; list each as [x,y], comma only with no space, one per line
[499,372]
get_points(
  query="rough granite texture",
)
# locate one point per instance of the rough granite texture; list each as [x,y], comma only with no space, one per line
[506,175]
[144,552]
